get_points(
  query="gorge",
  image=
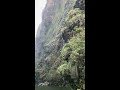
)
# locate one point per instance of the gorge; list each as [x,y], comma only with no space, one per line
[60,45]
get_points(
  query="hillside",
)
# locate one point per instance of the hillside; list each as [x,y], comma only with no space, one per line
[60,44]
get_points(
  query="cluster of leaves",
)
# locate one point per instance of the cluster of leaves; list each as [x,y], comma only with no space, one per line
[73,52]
[74,48]
[75,16]
[64,69]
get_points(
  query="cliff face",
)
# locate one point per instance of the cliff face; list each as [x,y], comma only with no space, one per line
[50,38]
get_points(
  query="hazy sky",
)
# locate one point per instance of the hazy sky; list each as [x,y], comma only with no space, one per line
[39,6]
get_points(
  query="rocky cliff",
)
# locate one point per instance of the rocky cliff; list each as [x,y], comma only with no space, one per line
[53,34]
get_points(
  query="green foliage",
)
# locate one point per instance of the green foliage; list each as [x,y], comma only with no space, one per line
[74,16]
[73,52]
[64,69]
[73,12]
[78,29]
[74,48]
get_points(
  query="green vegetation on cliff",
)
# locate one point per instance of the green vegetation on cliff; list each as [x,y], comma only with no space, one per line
[62,56]
[73,52]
